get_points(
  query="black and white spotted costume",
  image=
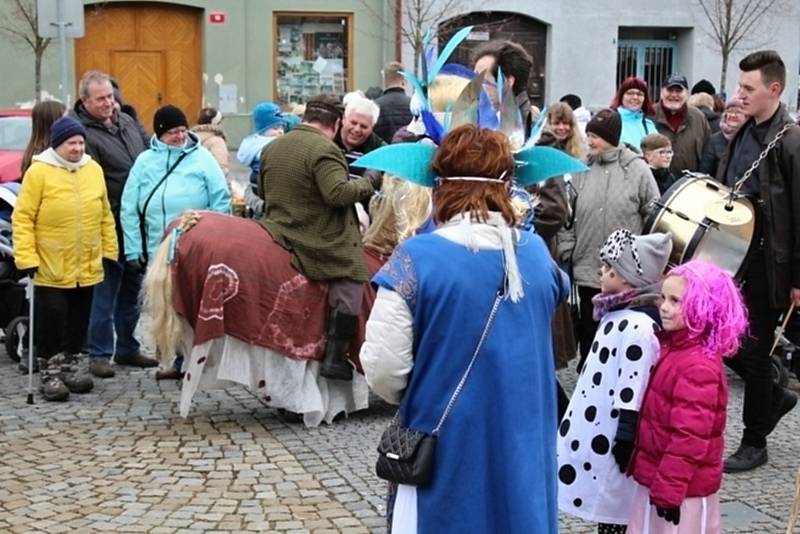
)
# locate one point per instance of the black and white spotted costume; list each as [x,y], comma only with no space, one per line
[590,484]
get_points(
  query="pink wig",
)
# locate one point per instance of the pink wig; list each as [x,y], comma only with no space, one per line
[712,306]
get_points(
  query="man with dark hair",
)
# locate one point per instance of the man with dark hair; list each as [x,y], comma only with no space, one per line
[516,64]
[395,105]
[309,212]
[772,279]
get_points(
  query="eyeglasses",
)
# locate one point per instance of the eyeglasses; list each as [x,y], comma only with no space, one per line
[634,92]
[664,152]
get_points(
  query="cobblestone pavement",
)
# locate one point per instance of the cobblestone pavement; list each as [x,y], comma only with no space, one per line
[120,459]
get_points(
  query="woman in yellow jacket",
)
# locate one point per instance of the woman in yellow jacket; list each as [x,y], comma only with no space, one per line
[62,229]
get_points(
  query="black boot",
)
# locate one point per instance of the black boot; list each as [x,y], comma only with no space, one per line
[341,330]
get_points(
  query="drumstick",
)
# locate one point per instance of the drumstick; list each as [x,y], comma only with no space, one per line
[783,328]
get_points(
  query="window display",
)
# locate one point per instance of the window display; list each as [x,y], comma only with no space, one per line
[311,56]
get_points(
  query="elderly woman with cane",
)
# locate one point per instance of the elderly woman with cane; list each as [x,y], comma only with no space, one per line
[63,229]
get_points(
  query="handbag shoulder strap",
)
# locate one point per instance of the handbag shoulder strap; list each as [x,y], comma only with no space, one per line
[153,191]
[498,299]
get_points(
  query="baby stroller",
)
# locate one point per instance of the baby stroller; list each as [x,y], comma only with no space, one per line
[13,306]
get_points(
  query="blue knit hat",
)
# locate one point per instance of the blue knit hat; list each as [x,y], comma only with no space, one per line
[64,128]
[267,115]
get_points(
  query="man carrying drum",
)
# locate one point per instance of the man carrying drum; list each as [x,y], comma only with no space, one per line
[772,279]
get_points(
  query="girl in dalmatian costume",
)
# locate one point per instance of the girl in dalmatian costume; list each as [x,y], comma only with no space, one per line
[595,438]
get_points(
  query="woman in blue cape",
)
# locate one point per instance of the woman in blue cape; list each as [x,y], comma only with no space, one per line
[495,466]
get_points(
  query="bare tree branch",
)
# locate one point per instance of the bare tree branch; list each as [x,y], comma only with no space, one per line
[733,23]
[20,27]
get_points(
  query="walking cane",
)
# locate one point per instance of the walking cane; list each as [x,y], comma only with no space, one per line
[786,318]
[31,346]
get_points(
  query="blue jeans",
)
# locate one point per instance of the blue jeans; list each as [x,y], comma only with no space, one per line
[115,308]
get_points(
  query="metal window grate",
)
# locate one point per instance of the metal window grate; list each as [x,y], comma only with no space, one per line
[652,61]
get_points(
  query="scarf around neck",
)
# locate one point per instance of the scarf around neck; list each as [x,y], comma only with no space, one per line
[493,234]
[603,303]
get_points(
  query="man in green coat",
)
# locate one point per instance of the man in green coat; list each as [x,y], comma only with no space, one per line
[310,212]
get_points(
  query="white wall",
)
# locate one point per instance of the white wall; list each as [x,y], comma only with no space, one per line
[582,42]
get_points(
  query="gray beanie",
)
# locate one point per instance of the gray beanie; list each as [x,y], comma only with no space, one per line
[639,259]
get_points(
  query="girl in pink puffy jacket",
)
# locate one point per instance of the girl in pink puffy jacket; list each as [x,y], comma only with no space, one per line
[677,459]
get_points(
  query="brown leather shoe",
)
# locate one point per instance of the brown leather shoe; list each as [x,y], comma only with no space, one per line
[135,360]
[169,374]
[101,368]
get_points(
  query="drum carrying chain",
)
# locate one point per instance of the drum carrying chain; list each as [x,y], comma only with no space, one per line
[761,157]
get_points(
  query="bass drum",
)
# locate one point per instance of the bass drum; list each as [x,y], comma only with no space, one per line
[682,211]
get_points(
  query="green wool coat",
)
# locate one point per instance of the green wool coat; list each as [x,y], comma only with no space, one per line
[309,204]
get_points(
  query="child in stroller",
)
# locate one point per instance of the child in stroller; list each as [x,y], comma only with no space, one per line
[13,309]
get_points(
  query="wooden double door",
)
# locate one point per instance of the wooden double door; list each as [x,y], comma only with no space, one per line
[153,51]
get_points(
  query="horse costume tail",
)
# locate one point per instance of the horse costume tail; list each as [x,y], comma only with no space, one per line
[166,326]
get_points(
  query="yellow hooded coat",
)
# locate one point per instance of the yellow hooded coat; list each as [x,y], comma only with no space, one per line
[62,223]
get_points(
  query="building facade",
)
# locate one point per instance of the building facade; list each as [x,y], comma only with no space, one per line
[586,47]
[231,54]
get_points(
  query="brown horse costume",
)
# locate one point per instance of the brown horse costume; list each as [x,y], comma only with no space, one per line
[233,304]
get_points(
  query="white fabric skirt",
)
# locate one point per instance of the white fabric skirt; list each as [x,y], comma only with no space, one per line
[699,515]
[277,379]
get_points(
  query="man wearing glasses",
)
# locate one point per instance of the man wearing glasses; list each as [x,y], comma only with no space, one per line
[732,118]
[684,125]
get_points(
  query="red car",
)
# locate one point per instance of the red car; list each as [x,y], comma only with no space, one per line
[15,131]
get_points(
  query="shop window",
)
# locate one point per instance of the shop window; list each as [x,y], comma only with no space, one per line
[312,55]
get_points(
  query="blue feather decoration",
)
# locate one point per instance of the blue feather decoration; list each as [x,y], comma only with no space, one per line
[500,86]
[538,163]
[448,50]
[487,115]
[432,127]
[410,161]
[456,69]
[536,129]
[417,87]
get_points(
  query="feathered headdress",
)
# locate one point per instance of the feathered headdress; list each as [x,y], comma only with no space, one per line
[439,111]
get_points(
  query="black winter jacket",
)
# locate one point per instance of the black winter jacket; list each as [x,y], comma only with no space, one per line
[779,177]
[395,112]
[114,147]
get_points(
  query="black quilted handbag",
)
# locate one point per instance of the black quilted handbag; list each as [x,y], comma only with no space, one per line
[406,456]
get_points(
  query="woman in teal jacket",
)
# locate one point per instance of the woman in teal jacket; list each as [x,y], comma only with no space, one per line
[196,182]
[174,175]
[633,104]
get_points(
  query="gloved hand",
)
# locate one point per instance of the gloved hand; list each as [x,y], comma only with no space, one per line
[670,514]
[375,178]
[622,451]
[136,266]
[29,272]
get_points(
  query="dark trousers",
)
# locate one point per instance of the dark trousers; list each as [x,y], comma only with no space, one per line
[587,327]
[345,295]
[752,363]
[61,320]
[115,310]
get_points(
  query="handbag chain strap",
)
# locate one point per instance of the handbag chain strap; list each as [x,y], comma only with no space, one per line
[460,386]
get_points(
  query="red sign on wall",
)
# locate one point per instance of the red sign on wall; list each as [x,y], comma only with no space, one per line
[216,17]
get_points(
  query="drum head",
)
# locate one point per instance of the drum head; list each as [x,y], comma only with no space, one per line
[683,211]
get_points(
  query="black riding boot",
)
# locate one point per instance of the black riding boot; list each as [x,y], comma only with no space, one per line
[341,330]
